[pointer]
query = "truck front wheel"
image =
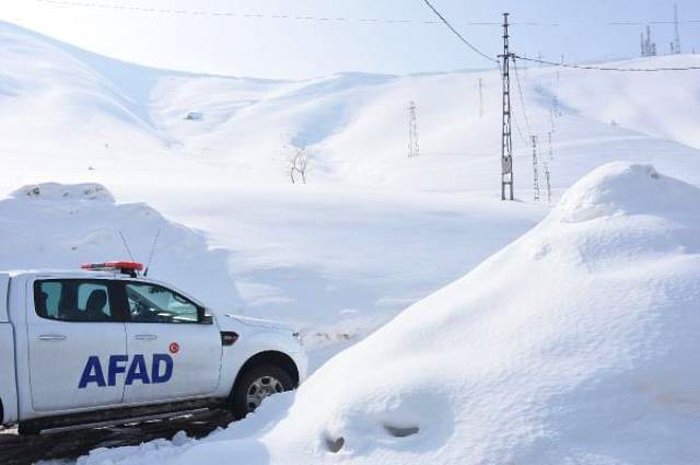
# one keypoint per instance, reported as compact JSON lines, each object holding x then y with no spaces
{"x":256,"y":384}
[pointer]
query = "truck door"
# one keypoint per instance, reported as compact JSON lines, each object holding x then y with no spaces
{"x":175,"y":352}
{"x":77,"y":344}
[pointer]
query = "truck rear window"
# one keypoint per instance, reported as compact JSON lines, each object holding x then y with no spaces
{"x":73,"y":300}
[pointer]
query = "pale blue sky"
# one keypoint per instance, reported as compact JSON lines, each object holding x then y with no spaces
{"x":273,"y":47}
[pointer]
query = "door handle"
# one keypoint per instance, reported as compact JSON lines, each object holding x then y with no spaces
{"x":52,"y":337}
{"x":145,"y":337}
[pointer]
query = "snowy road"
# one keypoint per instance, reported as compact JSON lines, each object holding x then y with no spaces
{"x":69,"y":445}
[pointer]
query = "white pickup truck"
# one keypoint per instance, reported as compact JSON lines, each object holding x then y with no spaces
{"x":89,"y":348}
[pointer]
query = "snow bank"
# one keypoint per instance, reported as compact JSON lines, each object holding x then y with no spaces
{"x":573,"y":345}
{"x":576,"y":344}
{"x":56,"y":191}
{"x":55,"y":225}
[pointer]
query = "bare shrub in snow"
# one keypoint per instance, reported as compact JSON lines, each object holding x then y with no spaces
{"x":297,"y":164}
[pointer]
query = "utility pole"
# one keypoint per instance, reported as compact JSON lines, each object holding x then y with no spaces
{"x":535,"y":170}
{"x":506,"y":132}
{"x":547,"y":173}
{"x":413,"y":149}
{"x":481,"y":98}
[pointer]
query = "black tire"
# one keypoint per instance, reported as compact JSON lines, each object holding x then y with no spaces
{"x":238,"y":400}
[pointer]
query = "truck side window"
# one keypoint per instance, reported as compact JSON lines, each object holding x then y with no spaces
{"x":72,"y":300}
{"x":150,"y":303}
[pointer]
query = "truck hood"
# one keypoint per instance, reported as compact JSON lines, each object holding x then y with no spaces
{"x":260,"y":323}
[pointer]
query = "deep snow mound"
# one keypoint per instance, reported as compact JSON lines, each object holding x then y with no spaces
{"x":621,"y":188}
{"x":54,"y":225}
{"x":575,"y":344}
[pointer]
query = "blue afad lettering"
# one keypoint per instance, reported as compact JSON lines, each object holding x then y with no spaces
{"x":137,"y":371}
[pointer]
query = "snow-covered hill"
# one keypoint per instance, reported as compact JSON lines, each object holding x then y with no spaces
{"x":373,"y":231}
{"x":574,"y":344}
{"x":94,"y":112}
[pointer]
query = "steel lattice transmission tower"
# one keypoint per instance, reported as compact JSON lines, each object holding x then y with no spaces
{"x":506,"y":133}
{"x":481,"y":98}
{"x":547,"y":172}
{"x":648,"y":46}
{"x":676,"y":44}
{"x":413,"y":148}
{"x":535,"y":170}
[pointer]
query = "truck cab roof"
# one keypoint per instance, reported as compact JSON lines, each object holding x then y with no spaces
{"x":7,"y":275}
{"x":60,"y":273}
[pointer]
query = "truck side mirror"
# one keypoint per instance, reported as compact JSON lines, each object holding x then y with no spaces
{"x":206,"y":319}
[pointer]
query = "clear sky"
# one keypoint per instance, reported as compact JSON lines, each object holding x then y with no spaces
{"x":276,"y":47}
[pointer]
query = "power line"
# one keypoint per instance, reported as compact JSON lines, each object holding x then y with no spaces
{"x":599,"y":23}
{"x":607,"y":68}
{"x":457,"y":33}
{"x":522,"y":98}
{"x":290,"y":17}
{"x":340,"y":19}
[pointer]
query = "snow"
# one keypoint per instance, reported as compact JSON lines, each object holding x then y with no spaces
{"x":59,"y":226}
{"x":653,"y":95}
{"x":571,"y":345}
{"x":529,"y":349}
{"x":334,"y":257}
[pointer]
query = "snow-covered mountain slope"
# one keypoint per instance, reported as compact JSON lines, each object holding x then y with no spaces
{"x":53,"y":95}
{"x":93,"y":111}
{"x":373,"y":231}
{"x":656,"y":104}
{"x":574,"y":344}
